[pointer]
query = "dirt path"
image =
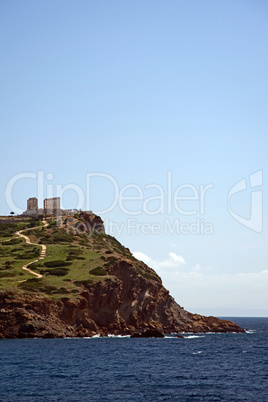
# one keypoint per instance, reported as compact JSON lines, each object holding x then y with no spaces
{"x":3,"y":241}
{"x":43,"y":252}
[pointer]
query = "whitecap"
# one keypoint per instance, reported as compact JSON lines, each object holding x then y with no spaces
{"x":118,"y":336}
{"x":194,"y":336}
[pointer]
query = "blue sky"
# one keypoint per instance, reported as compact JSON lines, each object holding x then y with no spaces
{"x":138,"y":92}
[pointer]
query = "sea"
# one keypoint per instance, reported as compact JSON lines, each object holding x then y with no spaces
{"x":199,"y":367}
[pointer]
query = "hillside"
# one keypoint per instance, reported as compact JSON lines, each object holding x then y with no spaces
{"x":84,"y":283}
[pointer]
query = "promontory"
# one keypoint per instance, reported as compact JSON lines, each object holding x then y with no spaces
{"x":63,"y":276}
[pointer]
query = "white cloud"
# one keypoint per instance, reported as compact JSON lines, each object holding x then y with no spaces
{"x":142,"y":257}
{"x":243,"y":291}
{"x":192,"y":286}
{"x":177,"y":258}
{"x":174,"y":261}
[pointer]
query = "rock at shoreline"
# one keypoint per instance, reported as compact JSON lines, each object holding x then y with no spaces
{"x":148,"y":333}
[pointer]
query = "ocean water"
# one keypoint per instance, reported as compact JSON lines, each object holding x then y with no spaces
{"x":207,"y":367}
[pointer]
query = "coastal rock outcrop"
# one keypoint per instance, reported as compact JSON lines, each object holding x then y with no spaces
{"x":148,"y":333}
{"x":107,"y":290}
{"x":125,"y":304}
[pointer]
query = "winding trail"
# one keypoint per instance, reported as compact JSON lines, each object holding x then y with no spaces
{"x":28,"y":241}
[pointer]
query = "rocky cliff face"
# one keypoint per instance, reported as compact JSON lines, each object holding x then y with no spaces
{"x":122,"y":304}
{"x":126,"y":298}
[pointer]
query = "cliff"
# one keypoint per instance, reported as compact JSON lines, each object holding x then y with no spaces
{"x":97,"y":287}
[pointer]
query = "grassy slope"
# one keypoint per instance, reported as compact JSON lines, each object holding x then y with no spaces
{"x":73,"y":258}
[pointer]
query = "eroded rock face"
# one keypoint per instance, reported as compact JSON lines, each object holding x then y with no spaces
{"x":93,"y":222}
{"x":123,"y":304}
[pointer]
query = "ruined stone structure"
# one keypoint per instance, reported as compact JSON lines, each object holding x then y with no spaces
{"x":52,"y":206}
{"x":32,"y":206}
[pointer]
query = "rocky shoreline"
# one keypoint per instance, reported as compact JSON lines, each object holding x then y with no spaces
{"x":124,"y":305}
{"x":123,"y":297}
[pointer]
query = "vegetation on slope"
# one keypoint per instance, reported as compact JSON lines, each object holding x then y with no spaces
{"x":76,"y":256}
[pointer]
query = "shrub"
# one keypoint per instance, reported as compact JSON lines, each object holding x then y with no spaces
{"x":62,"y":291}
{"x":71,"y":258}
{"x":84,"y":282}
{"x":52,"y":224}
{"x":49,"y":289}
{"x":11,"y":242}
{"x":31,"y":284}
{"x":6,"y":274}
{"x":14,"y":250}
{"x":33,"y":222}
{"x":28,"y":255}
{"x":56,"y":271}
{"x":75,"y":252}
{"x":98,"y":271}
{"x":62,"y":236}
{"x":111,"y":261}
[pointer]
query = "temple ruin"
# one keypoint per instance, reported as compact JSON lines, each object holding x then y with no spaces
{"x":32,"y":207}
{"x":52,"y":206}
{"x":32,"y":204}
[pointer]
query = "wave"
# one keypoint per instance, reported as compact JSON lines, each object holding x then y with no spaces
{"x":194,"y":336}
{"x":118,"y":336}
